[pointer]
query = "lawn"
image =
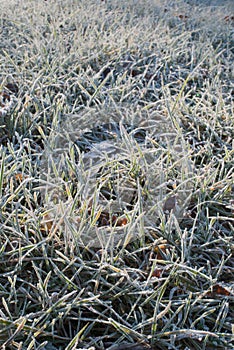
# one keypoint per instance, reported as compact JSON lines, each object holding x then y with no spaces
{"x":116,"y":175}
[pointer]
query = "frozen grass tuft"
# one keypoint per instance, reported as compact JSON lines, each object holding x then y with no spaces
{"x":127,"y":251}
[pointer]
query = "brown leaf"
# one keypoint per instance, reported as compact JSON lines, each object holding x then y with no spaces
{"x":157,"y":272}
{"x":19,"y":177}
{"x":122,"y":221}
{"x":106,"y":220}
{"x":229,"y":18}
{"x":46,"y":223}
{"x":159,"y":250}
{"x":181,"y":16}
{"x":220,"y":290}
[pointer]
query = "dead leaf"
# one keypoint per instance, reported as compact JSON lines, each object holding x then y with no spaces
{"x":115,"y":219}
{"x":229,"y":18}
{"x":157,"y":272}
{"x":160,"y":250}
{"x":182,"y":16}
{"x":19,"y":177}
{"x":220,"y":290}
{"x":46,"y":223}
{"x":121,"y":221}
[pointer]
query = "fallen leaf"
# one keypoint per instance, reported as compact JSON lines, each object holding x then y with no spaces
{"x":182,"y":16}
{"x":229,"y":18}
{"x":159,"y":250}
{"x":122,"y":222}
{"x":106,"y":220}
{"x":157,"y":273}
{"x":46,"y":223}
{"x":219,"y":289}
{"x":19,"y":177}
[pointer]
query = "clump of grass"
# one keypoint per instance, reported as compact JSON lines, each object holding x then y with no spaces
{"x":77,"y":67}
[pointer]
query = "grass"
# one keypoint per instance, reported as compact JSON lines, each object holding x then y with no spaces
{"x":110,"y":110}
